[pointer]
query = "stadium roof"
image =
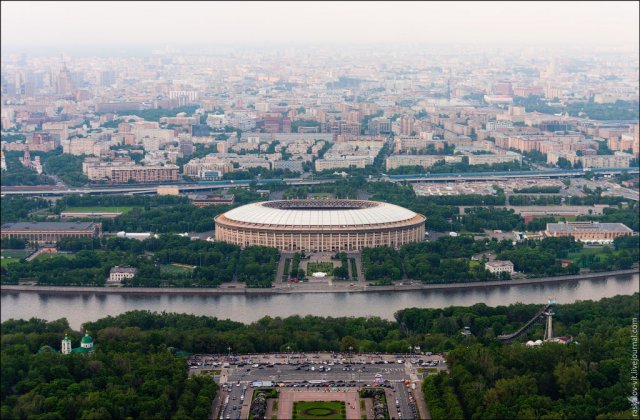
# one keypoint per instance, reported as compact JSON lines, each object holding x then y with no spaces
{"x":320,"y":213}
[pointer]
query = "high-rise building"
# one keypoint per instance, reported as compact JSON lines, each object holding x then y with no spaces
{"x":106,"y":77}
{"x":503,"y":88}
{"x":64,"y":84}
{"x":186,"y":145}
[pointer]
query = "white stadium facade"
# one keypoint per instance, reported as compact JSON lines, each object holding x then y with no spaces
{"x":320,"y":225}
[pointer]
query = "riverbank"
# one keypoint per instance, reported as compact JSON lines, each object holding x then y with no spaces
{"x":293,"y":288}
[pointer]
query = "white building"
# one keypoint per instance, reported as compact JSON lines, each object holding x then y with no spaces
{"x":117,"y":274}
{"x":66,"y":345}
{"x":499,"y":266}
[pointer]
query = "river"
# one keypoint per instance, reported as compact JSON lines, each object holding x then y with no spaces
{"x":80,"y":308}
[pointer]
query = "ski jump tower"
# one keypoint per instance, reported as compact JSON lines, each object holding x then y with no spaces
{"x":544,"y":314}
{"x":548,"y":331}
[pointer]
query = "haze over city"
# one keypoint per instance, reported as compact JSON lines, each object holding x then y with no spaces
{"x":319,"y":210}
{"x":70,"y":24}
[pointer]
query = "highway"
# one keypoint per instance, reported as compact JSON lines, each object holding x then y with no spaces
{"x":151,"y":189}
{"x":211,"y":185}
{"x":487,"y":176}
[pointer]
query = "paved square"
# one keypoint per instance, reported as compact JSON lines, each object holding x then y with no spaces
{"x":289,"y":396}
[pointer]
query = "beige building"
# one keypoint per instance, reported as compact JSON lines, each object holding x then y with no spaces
{"x":143,"y":174}
{"x":499,"y":266}
{"x":405,"y":144}
{"x":425,"y":161}
{"x":491,"y":159}
{"x":617,"y":160}
{"x":208,"y":163}
{"x":342,"y":162}
{"x":85,"y":146}
{"x":50,"y":232}
{"x":588,"y":231}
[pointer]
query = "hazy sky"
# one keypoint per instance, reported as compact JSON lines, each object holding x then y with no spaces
{"x":145,"y":23}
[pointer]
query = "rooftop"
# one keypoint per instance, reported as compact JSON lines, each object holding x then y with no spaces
{"x":320,"y":213}
{"x":499,"y":263}
{"x":51,"y":226}
{"x":587,"y":226}
{"x":118,"y":269}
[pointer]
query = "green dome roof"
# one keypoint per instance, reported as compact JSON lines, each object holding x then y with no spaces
{"x":66,"y":338}
{"x":87,"y":339}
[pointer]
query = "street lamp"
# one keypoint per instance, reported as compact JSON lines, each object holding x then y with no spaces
{"x":229,"y":349}
{"x":288,"y":347}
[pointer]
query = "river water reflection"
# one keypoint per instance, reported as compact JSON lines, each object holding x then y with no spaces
{"x":79,"y":308}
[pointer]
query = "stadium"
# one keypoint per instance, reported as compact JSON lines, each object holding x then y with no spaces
{"x":320,"y":225}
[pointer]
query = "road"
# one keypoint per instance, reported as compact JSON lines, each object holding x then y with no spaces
{"x":150,"y":189}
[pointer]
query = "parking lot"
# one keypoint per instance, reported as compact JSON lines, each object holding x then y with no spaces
{"x":397,"y":374}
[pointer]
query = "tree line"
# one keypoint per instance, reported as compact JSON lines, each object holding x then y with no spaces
{"x":215,"y":263}
{"x":133,"y":372}
{"x":111,"y":383}
{"x":448,"y":259}
{"x":586,"y":379}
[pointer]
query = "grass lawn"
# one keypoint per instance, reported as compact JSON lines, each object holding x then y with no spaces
{"x":287,"y":267}
{"x":319,"y":410}
{"x":565,"y":218}
{"x":16,"y":253}
{"x":43,"y":257}
{"x":175,"y":270}
{"x":325,"y":267}
{"x":98,"y":209}
{"x":6,"y":261}
{"x":574,"y":256}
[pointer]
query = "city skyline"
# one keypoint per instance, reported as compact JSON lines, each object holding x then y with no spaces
{"x":68,"y":25}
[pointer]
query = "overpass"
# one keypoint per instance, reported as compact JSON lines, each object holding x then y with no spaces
{"x":151,"y":189}
{"x":212,"y":185}
{"x":489,"y":176}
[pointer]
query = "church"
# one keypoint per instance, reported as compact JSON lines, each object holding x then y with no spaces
{"x":86,"y":345}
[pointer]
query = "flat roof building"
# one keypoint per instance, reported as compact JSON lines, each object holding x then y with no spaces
{"x":588,"y":231}
{"x":499,"y":266}
{"x":202,"y":200}
{"x":50,"y":232}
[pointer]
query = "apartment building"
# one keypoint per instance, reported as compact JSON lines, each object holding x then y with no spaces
{"x":144,"y":174}
{"x":425,"y":161}
{"x":342,"y":162}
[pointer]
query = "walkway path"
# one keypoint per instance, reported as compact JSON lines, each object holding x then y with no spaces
{"x":280,"y":271}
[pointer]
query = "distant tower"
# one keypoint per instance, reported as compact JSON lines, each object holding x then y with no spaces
{"x":37,"y":165}
{"x":66,"y":345}
{"x":26,"y":159}
{"x":64,"y":84}
{"x":449,"y":89}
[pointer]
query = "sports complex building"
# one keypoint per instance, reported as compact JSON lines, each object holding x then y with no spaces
{"x":320,"y":225}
